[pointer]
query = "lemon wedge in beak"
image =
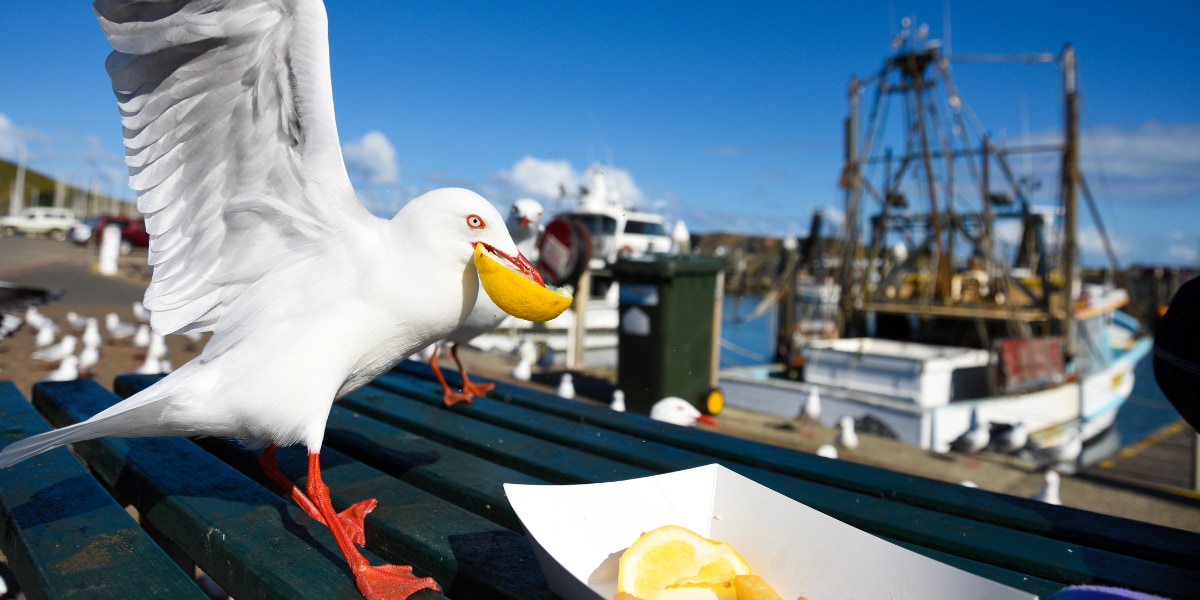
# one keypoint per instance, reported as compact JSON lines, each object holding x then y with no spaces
{"x":518,"y":293}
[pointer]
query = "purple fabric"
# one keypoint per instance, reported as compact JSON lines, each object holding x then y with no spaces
{"x":1098,"y":592}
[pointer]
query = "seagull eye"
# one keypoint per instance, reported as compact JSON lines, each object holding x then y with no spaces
{"x":475,"y":222}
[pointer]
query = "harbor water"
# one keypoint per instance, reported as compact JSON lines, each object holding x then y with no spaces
{"x":747,"y":339}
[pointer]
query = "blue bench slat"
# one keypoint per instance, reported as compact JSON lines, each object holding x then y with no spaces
{"x":1115,"y":534}
{"x":250,"y":541}
{"x":64,"y":536}
{"x":1008,"y":548}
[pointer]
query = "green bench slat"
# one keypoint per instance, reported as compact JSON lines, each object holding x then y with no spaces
{"x":1011,"y":549}
{"x":250,"y":541}
{"x":469,"y":555}
{"x":1125,"y":536}
{"x":442,"y":470}
{"x":456,"y":426}
{"x":64,"y":535}
{"x":390,"y":406}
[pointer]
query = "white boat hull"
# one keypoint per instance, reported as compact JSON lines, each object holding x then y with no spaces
{"x":1047,"y":413}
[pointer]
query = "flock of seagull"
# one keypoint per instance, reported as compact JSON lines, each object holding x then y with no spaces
{"x":73,"y":348}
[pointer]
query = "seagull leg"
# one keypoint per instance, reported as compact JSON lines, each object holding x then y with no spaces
{"x":478,"y":389}
{"x":449,"y":396}
{"x":352,"y":518}
{"x":374,"y":581}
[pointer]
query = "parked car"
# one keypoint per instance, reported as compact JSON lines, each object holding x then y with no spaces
{"x":54,"y":222}
{"x":133,"y":231}
{"x":81,"y":232}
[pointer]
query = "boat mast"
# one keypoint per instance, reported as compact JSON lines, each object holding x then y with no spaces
{"x":1070,"y":193}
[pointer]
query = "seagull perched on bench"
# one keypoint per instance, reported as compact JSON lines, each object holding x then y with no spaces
{"x":258,"y":237}
{"x":522,"y":224}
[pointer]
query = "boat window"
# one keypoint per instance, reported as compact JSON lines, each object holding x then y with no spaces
{"x":644,"y":228}
{"x":597,"y":224}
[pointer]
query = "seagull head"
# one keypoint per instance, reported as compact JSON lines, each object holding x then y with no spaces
{"x":458,"y":224}
{"x":525,"y":212}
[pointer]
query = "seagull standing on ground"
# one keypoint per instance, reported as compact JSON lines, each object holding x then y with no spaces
{"x":227,"y":111}
{"x":846,"y":437}
{"x":525,"y":215}
{"x":973,"y":440}
{"x":812,"y":412}
{"x":566,"y":386}
{"x":91,"y":333}
{"x":1050,"y":488}
{"x":67,"y":370}
{"x":57,"y":352}
{"x":117,"y":328}
{"x":45,"y":336}
{"x":526,"y":356}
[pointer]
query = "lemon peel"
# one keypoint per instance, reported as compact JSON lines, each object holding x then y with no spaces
{"x":515,"y":293}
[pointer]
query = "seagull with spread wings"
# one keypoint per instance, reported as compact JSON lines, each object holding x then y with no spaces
{"x":258,"y":237}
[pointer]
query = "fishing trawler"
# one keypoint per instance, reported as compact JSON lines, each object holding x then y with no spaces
{"x":939,"y":316}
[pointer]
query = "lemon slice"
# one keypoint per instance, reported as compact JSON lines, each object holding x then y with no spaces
{"x":515,"y":293}
{"x":672,"y":558}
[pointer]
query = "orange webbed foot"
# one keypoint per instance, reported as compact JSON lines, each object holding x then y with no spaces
{"x":478,"y":389}
{"x":391,"y":581}
{"x":451,"y":397}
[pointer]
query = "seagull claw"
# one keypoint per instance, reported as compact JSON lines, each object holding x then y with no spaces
{"x":390,"y":581}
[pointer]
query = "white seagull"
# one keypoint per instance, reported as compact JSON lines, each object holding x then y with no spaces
{"x":88,"y":358}
{"x":117,"y":328}
{"x":618,"y":401}
{"x":76,"y":320}
{"x":258,"y":237}
{"x":141,"y":338}
{"x":1050,"y":488}
{"x":566,"y":386}
{"x":91,"y":333}
{"x":485,"y":316}
{"x":65,"y":347}
{"x":526,"y":356}
{"x":140,"y":313}
{"x":67,"y":370}
{"x":846,"y":437}
{"x":973,"y":439}
{"x":678,"y":411}
{"x":1009,"y":437}
{"x":45,"y":335}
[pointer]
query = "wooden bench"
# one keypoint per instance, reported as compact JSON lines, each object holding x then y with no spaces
{"x":438,"y":474}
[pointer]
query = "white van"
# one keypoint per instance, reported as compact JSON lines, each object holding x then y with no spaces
{"x":55,"y":222}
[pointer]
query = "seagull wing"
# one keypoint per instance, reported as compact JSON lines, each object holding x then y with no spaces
{"x":232,"y":147}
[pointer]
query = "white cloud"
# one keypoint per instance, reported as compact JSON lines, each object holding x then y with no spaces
{"x":372,"y":159}
{"x":541,"y":178}
{"x":11,"y":140}
{"x":1150,"y":162}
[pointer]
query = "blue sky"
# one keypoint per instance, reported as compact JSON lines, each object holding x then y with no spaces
{"x":728,"y":117}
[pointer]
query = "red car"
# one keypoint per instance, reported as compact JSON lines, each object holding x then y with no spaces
{"x":133,"y":231}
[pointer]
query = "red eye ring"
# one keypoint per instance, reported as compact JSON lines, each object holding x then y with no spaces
{"x":475,"y":221}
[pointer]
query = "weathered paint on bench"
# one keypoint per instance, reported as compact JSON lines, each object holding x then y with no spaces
{"x":64,"y":536}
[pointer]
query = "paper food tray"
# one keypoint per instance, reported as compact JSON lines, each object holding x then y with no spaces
{"x":579,"y":532}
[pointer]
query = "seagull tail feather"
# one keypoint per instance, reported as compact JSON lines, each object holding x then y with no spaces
{"x":120,"y":420}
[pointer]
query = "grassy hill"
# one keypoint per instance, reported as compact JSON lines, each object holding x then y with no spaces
{"x":39,"y":191}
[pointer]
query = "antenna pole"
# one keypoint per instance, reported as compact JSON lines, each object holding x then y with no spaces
{"x":1070,"y":196}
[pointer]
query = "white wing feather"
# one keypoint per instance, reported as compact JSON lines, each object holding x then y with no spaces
{"x":232,"y":148}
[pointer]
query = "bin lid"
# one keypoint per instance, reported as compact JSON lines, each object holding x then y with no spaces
{"x":667,"y":265}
